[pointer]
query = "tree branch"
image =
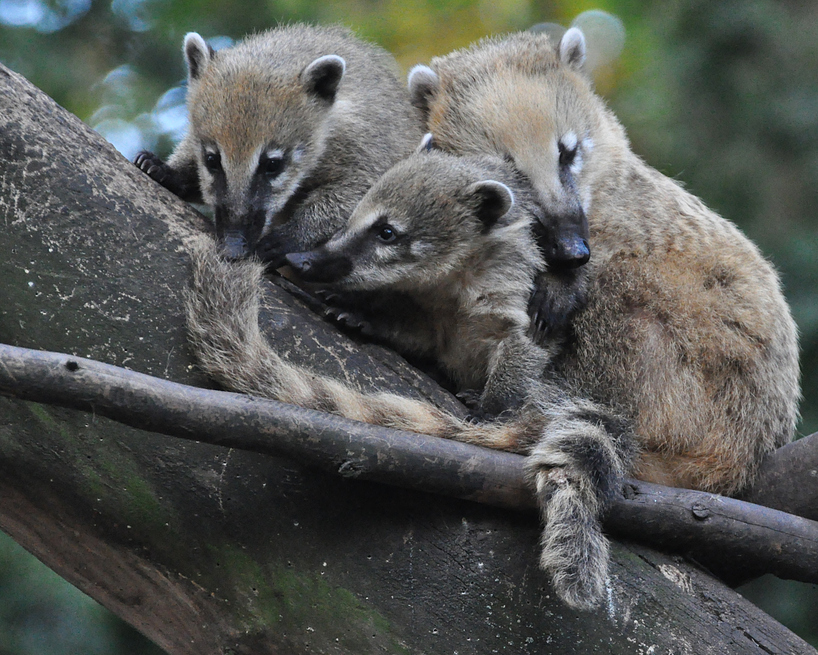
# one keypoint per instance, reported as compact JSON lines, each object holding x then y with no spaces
{"x":788,"y":479}
{"x":735,"y":538}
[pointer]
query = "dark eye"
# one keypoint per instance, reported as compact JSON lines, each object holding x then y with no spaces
{"x":386,"y":234}
{"x":271,"y":167}
{"x":567,"y":154}
{"x":213,"y":162}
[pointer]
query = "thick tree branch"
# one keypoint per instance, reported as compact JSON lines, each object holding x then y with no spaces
{"x":736,"y":539}
{"x":209,"y":550}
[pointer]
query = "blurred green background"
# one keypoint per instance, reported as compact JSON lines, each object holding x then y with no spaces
{"x":720,"y":95}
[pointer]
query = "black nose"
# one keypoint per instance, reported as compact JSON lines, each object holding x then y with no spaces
{"x":571,"y":252}
{"x":319,"y":266}
{"x":234,"y":245}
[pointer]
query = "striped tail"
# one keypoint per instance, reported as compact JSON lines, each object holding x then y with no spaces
{"x":222,"y":317}
{"x":578,"y":452}
{"x":576,"y":467}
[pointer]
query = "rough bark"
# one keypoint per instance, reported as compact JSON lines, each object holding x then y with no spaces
{"x":788,"y":479}
{"x":207,"y":549}
{"x":735,"y":539}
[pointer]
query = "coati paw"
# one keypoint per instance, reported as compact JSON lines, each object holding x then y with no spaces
{"x":274,"y":247}
{"x":349,"y":321}
{"x":182,"y":182}
{"x":153,"y":166}
{"x":471,"y":399}
{"x":556,"y":299}
{"x":481,"y":409}
{"x":327,"y":297}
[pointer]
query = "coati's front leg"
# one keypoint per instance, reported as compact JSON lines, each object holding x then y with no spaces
{"x":182,"y":181}
{"x":385,"y":317}
{"x":514,"y":370}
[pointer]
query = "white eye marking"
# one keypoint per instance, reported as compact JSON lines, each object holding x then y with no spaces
{"x":361,"y":222}
{"x":569,"y":141}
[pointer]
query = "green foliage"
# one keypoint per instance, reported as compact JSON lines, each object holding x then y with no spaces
{"x":721,"y":96}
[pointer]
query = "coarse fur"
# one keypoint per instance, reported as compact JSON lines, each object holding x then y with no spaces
{"x":686,"y":331}
{"x":454,"y":236}
{"x":450,"y":238}
{"x":287,"y":131}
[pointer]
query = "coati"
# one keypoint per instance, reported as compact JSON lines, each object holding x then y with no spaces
{"x":454,"y":234}
{"x":288,"y":129}
{"x":686,"y":331}
{"x":451,"y":238}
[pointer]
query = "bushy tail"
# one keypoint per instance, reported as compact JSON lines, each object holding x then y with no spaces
{"x":576,"y":467}
{"x":222,"y":316}
{"x":574,"y":458}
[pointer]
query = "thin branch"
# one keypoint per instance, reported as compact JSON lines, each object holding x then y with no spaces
{"x":732,"y":537}
{"x":347,"y":448}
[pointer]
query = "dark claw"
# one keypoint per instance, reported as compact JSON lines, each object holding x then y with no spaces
{"x":152,"y":166}
{"x":333,"y":312}
{"x":325,"y":295}
{"x":349,"y":320}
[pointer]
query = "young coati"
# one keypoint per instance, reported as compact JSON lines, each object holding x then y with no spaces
{"x":686,"y":331}
{"x":454,"y":236}
{"x":288,"y":129}
{"x":439,"y":233}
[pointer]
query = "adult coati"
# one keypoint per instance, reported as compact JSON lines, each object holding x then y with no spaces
{"x":288,"y":129}
{"x":454,"y":235}
{"x":686,"y":331}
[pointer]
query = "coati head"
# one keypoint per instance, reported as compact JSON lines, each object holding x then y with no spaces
{"x":417,"y":226}
{"x":260,"y":127}
{"x":531,"y":103}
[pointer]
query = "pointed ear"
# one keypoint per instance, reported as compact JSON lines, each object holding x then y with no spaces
{"x":197,"y":55}
{"x":427,"y":143}
{"x":423,"y":85}
{"x":492,"y":200}
{"x":572,"y":48}
{"x":322,"y":77}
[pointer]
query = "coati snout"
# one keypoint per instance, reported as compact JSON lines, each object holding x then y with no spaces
{"x":237,"y":237}
{"x":564,"y":240}
{"x":233,"y":245}
{"x":319,"y":265}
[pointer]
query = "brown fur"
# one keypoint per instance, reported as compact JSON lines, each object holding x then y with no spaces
{"x":327,"y":108}
{"x":465,"y":256}
{"x":686,"y":329}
